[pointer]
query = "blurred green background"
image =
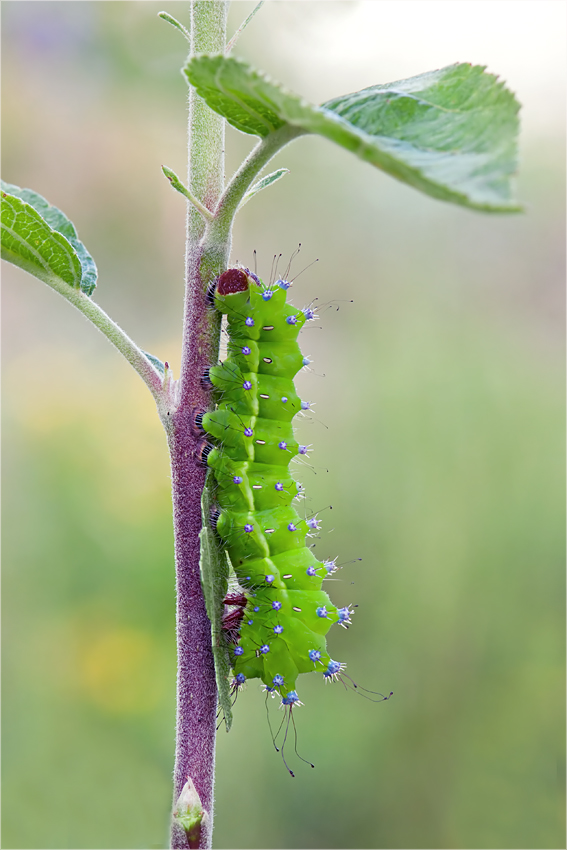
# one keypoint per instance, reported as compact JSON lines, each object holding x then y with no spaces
{"x":438,"y":439}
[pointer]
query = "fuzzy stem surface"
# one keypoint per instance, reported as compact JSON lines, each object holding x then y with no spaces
{"x":219,"y":230}
{"x":196,"y":685}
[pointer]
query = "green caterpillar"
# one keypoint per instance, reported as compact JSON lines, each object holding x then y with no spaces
{"x":282,"y":616}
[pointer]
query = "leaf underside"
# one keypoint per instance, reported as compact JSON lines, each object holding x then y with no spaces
{"x":266,"y":181}
{"x":40,"y":239}
{"x":155,"y":361}
{"x":451,"y":133}
{"x":214,"y":579}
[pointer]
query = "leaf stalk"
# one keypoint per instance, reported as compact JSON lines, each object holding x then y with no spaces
{"x":183,"y":190}
{"x":119,"y":338}
{"x":217,"y":239}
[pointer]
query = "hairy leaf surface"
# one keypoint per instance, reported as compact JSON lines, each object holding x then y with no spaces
{"x":266,"y":181}
{"x":40,"y":239}
{"x":451,"y":133}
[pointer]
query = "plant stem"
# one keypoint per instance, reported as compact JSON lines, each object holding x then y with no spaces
{"x":242,"y":27}
{"x":219,"y":231}
{"x":196,"y":686}
{"x":179,"y":187}
{"x":114,"y":333}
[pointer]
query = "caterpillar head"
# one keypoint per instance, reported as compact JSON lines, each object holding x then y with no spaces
{"x":231,"y":293}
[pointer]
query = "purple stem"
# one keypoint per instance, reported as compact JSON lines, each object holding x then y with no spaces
{"x":196,"y":685}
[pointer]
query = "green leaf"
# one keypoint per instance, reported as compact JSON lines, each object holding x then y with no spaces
{"x":242,"y":27}
{"x":40,"y":239}
{"x":451,"y":133}
{"x":155,"y":361}
{"x":237,"y":92}
{"x":263,"y":184}
{"x":183,"y":190}
{"x":214,"y":580}
{"x":165,"y":16}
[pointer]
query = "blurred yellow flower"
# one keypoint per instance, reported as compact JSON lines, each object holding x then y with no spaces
{"x":119,"y":671}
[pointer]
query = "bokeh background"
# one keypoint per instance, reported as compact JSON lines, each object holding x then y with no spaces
{"x":438,"y":375}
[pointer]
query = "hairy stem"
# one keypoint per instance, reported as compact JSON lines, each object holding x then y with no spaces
{"x":114,"y":333}
{"x":218,"y":233}
{"x":196,"y":686}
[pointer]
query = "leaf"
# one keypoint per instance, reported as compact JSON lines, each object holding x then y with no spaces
{"x":263,"y":184}
{"x":451,"y":133}
{"x":183,"y":190}
{"x":243,"y":26}
{"x":165,"y":16}
{"x":40,"y":239}
{"x":155,"y":361}
{"x":237,"y":92}
{"x":214,"y":579}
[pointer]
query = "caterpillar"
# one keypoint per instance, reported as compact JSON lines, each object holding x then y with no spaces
{"x":279,"y":617}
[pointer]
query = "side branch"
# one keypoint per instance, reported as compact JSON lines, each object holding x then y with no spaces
{"x":218,"y":232}
{"x":114,"y":333}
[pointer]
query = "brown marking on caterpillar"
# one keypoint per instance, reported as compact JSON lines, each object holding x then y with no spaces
{"x":235,"y":599}
{"x":206,"y":382}
{"x":231,"y":624}
{"x":231,"y":281}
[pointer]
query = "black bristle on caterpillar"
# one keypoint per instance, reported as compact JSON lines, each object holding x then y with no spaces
{"x":203,"y":452}
{"x":214,"y":518}
{"x":210,"y":294}
{"x":198,"y":421}
{"x":206,"y":382}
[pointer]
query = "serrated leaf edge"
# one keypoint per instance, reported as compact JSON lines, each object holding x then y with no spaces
{"x":88,"y":279}
{"x":62,"y":241}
